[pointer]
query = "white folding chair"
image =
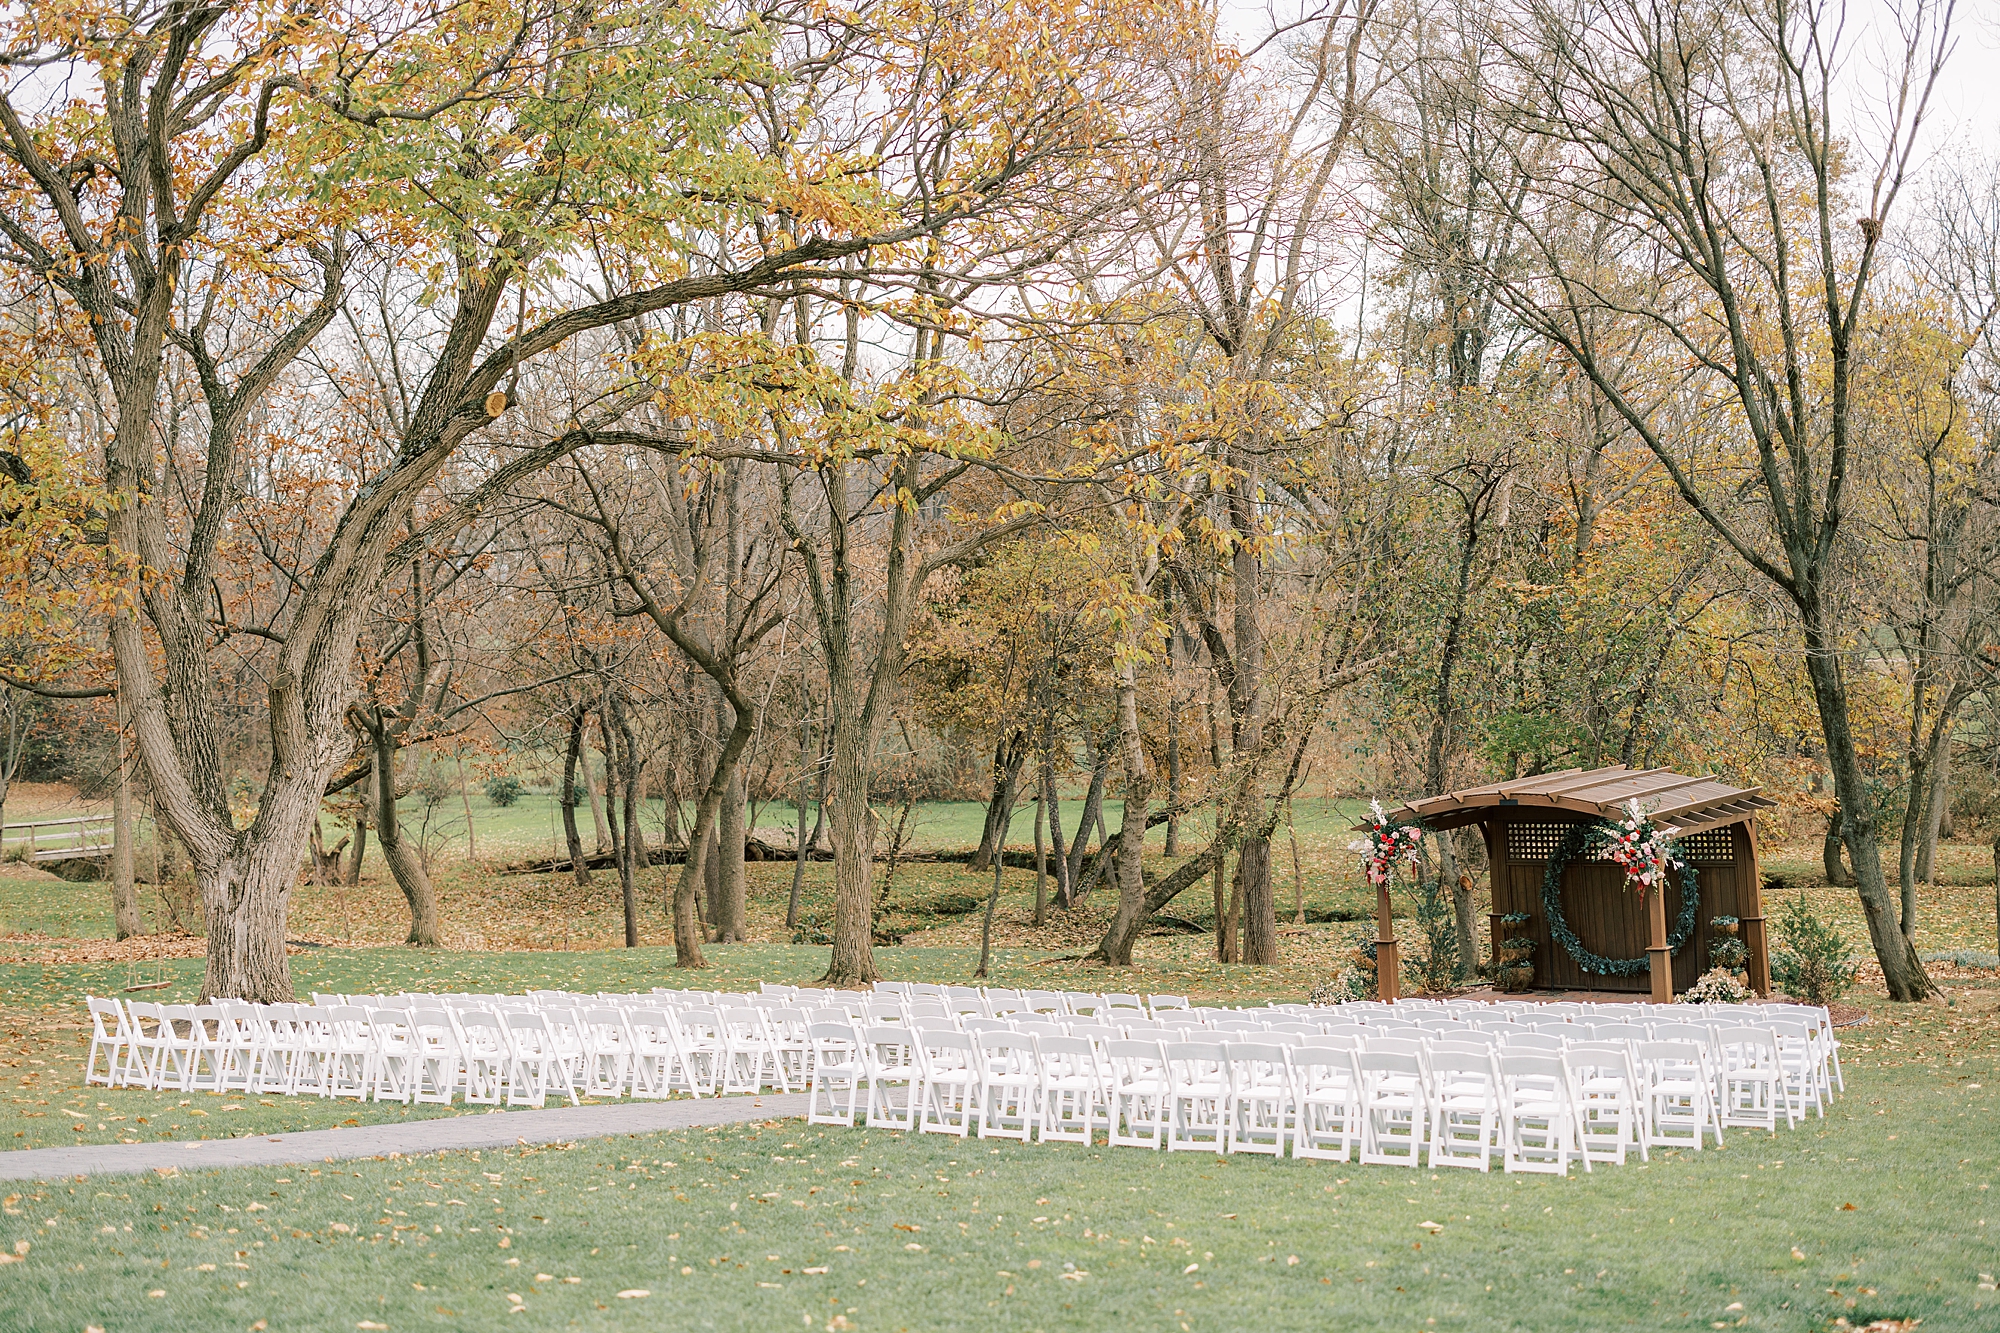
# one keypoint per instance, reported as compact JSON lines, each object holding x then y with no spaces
{"x":439,"y":1067}
{"x":607,"y":1051}
{"x":1610,"y":1107}
{"x":1140,"y":1093}
{"x":1197,"y":1096}
{"x":395,"y":1056}
{"x":1010,"y":1084}
{"x":890,"y":1060}
{"x":488,"y":1057}
{"x":115,"y":1042}
{"x":1538,"y":1116}
{"x":538,"y":1066}
{"x":657,"y":1063}
{"x":1394,"y":1104}
{"x":1751,"y":1079}
{"x":1074,"y":1091}
{"x":1799,"y":1062}
{"x":837,"y":1068}
{"x":1327,"y":1124}
{"x":1465,"y":1109}
{"x":950,"y":1069}
{"x":749,"y":1059}
{"x":1263,"y":1099}
{"x":704,"y":1051}
{"x":1680,"y":1094}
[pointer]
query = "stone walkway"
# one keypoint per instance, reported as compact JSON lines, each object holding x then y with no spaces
{"x":496,"y":1130}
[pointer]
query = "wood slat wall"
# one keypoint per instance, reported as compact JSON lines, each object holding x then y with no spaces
{"x":1609,"y":918}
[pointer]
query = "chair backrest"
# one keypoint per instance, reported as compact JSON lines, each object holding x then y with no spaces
{"x":928,"y":1009}
{"x":1373,"y":1060}
{"x":1532,"y":1042}
{"x":1410,"y":1046}
{"x":1045,"y":1001}
{"x":1134,"y":1059}
{"x":833,"y":1034}
{"x":1006,"y":1049}
{"x":986,"y":1025}
{"x":1665,"y":1056}
{"x":1159,"y":1002}
{"x":102,"y":1009}
{"x":1460,"y":1046}
{"x":1315,"y":1063}
{"x":892,"y":1044}
{"x":1462,"y":1063}
{"x":1531,"y":1065}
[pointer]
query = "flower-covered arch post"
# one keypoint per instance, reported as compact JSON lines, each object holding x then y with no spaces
{"x":1387,"y":843}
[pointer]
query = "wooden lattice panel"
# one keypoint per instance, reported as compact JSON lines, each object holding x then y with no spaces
{"x":1537,"y":841}
{"x":1711,"y":845}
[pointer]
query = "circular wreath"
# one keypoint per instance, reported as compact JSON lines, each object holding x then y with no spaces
{"x":1573,"y":843}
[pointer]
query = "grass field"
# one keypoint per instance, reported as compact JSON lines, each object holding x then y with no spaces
{"x":727,"y":1228}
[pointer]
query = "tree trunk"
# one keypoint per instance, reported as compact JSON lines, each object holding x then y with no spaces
{"x":852,"y":823}
{"x":566,"y":798}
{"x":1129,"y":916}
{"x":405,"y":862}
{"x":805,"y":844}
{"x":1260,"y":909}
{"x":465,"y":804}
{"x":1008,"y":757}
{"x":731,"y":922}
{"x":635,"y":857}
{"x":124,"y":889}
{"x":1902,"y":970}
{"x":360,"y":850}
{"x":1093,"y":815}
{"x":620,"y":826}
{"x":1936,"y":814}
{"x":1061,"y":860}
{"x":1458,"y":885}
{"x":1225,"y":928}
{"x":1173,"y":847}
{"x":245,"y":898}
{"x":607,"y":839}
{"x":1041,"y":856}
{"x":1832,"y":855}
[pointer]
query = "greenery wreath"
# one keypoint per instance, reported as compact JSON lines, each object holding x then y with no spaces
{"x":1572,"y":845}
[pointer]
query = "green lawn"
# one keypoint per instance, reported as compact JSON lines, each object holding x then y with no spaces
{"x":1883,"y":1210}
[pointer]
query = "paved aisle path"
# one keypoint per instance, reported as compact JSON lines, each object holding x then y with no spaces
{"x":500,"y":1130}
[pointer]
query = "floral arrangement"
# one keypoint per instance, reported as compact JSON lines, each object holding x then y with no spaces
{"x":1644,"y":850}
{"x":1385,"y":845}
{"x":1717,"y":986}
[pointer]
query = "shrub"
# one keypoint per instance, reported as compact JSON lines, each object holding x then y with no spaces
{"x":504,"y":789}
{"x":1812,"y":961}
{"x":1437,"y":967}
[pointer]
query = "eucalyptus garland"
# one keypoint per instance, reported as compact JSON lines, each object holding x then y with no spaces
{"x":1573,"y":844}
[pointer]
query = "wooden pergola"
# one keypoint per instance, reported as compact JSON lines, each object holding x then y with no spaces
{"x":1524,"y":819}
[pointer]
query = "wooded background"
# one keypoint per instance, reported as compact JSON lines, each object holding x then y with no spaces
{"x":850,"y":406}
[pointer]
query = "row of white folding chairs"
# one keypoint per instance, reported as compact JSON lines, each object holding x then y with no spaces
{"x":998,"y":1000}
{"x":1819,"y":1052}
{"x":460,"y":1046}
{"x":1804,"y":1048}
{"x":1534,"y":1110}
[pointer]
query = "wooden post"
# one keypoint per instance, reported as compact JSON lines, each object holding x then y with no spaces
{"x":1659,"y":962}
{"x":1388,"y":974}
{"x":1755,"y":942}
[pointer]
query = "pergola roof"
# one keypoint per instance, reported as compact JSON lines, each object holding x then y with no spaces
{"x":1688,"y":803}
